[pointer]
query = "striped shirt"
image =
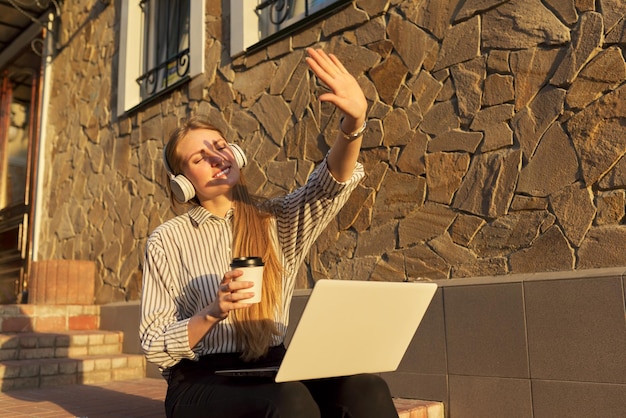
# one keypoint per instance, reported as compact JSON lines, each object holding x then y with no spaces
{"x":187,"y":256}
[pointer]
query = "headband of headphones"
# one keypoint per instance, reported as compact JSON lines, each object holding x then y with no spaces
{"x":181,"y":187}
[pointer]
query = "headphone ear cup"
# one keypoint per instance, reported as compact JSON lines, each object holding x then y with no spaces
{"x":182,"y":189}
{"x":240,"y":156}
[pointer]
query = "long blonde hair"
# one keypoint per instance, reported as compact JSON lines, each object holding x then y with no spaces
{"x":255,"y":325}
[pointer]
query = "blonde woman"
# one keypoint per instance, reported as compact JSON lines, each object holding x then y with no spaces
{"x":194,"y":316}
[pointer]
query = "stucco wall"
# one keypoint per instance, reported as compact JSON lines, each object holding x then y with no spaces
{"x":495,"y":140}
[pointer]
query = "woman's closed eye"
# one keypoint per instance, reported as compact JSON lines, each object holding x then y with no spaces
{"x":203,"y":156}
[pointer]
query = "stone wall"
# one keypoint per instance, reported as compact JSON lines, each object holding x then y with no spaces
{"x":494,"y":146}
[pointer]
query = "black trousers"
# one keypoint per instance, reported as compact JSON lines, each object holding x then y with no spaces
{"x":195,"y":391}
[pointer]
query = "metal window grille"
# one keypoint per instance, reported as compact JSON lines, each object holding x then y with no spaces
{"x":166,"y":45}
{"x":276,"y":15}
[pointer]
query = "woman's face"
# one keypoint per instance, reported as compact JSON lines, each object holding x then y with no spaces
{"x":209,"y":163}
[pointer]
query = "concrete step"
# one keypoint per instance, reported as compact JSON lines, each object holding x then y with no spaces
{"x":52,"y":345}
{"x":48,"y":318}
{"x":61,"y":344}
{"x":48,"y":372}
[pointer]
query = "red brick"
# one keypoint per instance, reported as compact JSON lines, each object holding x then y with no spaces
{"x":62,"y":282}
{"x":50,"y":323}
{"x":17,"y":324}
{"x":84,"y":284}
{"x":83,"y":322}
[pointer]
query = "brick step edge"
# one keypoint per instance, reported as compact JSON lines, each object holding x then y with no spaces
{"x":48,"y":318}
{"x":37,"y":373}
{"x":414,"y":408}
{"x":62,"y":344}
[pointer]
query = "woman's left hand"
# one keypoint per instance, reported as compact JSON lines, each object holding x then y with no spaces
{"x":345,"y":93}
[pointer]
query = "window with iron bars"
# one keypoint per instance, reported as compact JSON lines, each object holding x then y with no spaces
{"x":166,"y":45}
{"x":275,"y":15}
{"x":255,"y":23}
{"x":161,"y":46}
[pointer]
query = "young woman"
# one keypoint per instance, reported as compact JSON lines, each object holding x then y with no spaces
{"x":194,"y":316}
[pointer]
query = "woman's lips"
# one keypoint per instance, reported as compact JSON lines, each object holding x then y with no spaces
{"x":223,"y":173}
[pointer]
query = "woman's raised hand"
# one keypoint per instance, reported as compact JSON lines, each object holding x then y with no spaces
{"x":345,"y":93}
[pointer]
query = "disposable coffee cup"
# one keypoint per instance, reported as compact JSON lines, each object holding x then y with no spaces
{"x":252,"y":268}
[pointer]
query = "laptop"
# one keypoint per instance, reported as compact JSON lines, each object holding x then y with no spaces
{"x":350,"y":327}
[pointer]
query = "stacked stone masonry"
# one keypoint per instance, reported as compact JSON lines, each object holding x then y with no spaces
{"x":495,"y":141}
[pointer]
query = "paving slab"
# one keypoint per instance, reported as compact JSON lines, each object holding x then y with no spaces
{"x":139,"y":398}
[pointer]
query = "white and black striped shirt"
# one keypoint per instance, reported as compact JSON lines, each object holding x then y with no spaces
{"x":187,"y":256}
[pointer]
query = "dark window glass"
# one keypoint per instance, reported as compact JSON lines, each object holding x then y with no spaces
{"x":166,"y":45}
{"x":276,"y":15}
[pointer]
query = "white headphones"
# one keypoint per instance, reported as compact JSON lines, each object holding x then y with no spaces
{"x":182,"y":189}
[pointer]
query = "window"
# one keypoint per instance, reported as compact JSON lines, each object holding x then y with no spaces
{"x":253,"y":21}
{"x":161,"y":46}
{"x":166,"y":35}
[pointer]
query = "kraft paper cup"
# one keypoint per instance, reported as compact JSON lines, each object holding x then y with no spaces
{"x":252,"y":268}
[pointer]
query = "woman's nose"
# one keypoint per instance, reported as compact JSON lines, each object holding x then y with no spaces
{"x":215,"y":159}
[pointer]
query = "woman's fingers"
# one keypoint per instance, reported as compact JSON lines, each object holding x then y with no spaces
{"x":323,"y":64}
{"x":338,"y":63}
{"x":327,"y":68}
{"x":229,"y":297}
{"x":345,"y":93}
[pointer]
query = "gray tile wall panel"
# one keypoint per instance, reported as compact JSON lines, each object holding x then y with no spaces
{"x":578,"y":399}
{"x":577,"y":330}
{"x":427,"y":352}
{"x":485,"y":330}
{"x":530,"y":348}
{"x":489,"y":397}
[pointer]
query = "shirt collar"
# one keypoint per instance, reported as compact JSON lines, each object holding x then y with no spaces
{"x":199,"y":215}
